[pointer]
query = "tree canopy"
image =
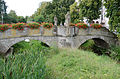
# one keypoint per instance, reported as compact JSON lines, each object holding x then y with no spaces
{"x":90,"y":9}
{"x":113,"y":13}
{"x":48,"y":10}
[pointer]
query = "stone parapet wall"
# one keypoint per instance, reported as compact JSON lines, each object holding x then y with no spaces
{"x":12,"y":33}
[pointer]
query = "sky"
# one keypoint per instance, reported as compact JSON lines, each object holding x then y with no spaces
{"x":23,"y":7}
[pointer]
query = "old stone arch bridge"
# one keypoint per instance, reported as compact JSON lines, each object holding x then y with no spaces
{"x":60,"y":36}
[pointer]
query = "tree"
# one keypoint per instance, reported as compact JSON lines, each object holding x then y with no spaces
{"x":48,"y":10}
{"x":76,"y":16}
{"x":21,"y":19}
{"x":90,"y":9}
{"x":113,"y":13}
{"x":13,"y":17}
{"x":39,"y":15}
{"x":58,"y":8}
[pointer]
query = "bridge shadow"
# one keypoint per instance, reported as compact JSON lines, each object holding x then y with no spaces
{"x":96,"y":45}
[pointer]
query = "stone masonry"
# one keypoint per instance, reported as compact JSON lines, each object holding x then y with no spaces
{"x":61,"y":37}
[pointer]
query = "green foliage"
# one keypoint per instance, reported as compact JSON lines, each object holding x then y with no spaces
{"x":39,"y":18}
{"x":81,"y":25}
{"x":96,"y":26}
{"x":28,"y":65}
{"x":33,"y":25}
{"x":115,"y":52}
{"x":21,"y":19}
{"x":13,"y":16}
{"x":28,"y":61}
{"x":113,"y":13}
{"x":74,"y":12}
{"x":77,"y":64}
{"x":4,"y":27}
{"x":88,"y":45}
{"x":48,"y":10}
{"x":90,"y":9}
{"x":18,"y":26}
{"x":47,"y":25}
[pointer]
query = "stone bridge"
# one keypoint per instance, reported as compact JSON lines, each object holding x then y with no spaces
{"x":58,"y":36}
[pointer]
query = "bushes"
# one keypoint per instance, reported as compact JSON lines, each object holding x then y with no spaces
{"x":18,"y":26}
{"x":47,"y":25}
{"x":4,"y":27}
{"x":21,"y":26}
{"x":33,"y":25}
{"x":81,"y":25}
{"x":115,"y":52}
{"x":96,"y":26}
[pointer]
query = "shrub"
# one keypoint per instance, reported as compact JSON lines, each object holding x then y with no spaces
{"x":47,"y":25}
{"x":34,"y":25}
{"x":4,"y":27}
{"x":115,"y":52}
{"x":81,"y":25}
{"x":96,"y":26}
{"x":18,"y":26}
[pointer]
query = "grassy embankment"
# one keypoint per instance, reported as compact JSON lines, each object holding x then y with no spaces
{"x":31,"y":60}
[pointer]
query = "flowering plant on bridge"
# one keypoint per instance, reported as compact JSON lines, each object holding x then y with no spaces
{"x":47,"y":25}
{"x":81,"y":25}
{"x":4,"y":27}
{"x":18,"y":26}
{"x":33,"y":25}
{"x":96,"y":26}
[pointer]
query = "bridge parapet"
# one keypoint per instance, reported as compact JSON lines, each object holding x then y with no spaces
{"x":60,"y":31}
{"x":98,"y":32}
{"x":12,"y":33}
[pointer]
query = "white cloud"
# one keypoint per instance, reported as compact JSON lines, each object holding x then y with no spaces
{"x":23,"y":7}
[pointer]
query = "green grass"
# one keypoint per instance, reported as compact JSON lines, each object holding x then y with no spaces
{"x":28,"y":62}
{"x":78,"y":64}
{"x":34,"y":61}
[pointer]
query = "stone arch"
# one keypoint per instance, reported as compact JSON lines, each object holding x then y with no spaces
{"x":46,"y":43}
{"x":99,"y":41}
{"x":7,"y":43}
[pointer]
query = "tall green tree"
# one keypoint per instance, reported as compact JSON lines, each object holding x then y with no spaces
{"x":90,"y":9}
{"x":39,"y":15}
{"x":113,"y":13}
{"x":58,"y":8}
{"x":13,"y":16}
{"x":75,"y":14}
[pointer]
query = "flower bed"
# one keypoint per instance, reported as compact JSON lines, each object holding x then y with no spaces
{"x":4,"y":27}
{"x":18,"y":26}
{"x":96,"y":26}
{"x":81,"y":25}
{"x":47,"y":25}
{"x":33,"y":25}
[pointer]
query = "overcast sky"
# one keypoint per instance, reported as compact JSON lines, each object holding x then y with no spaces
{"x":23,"y":7}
